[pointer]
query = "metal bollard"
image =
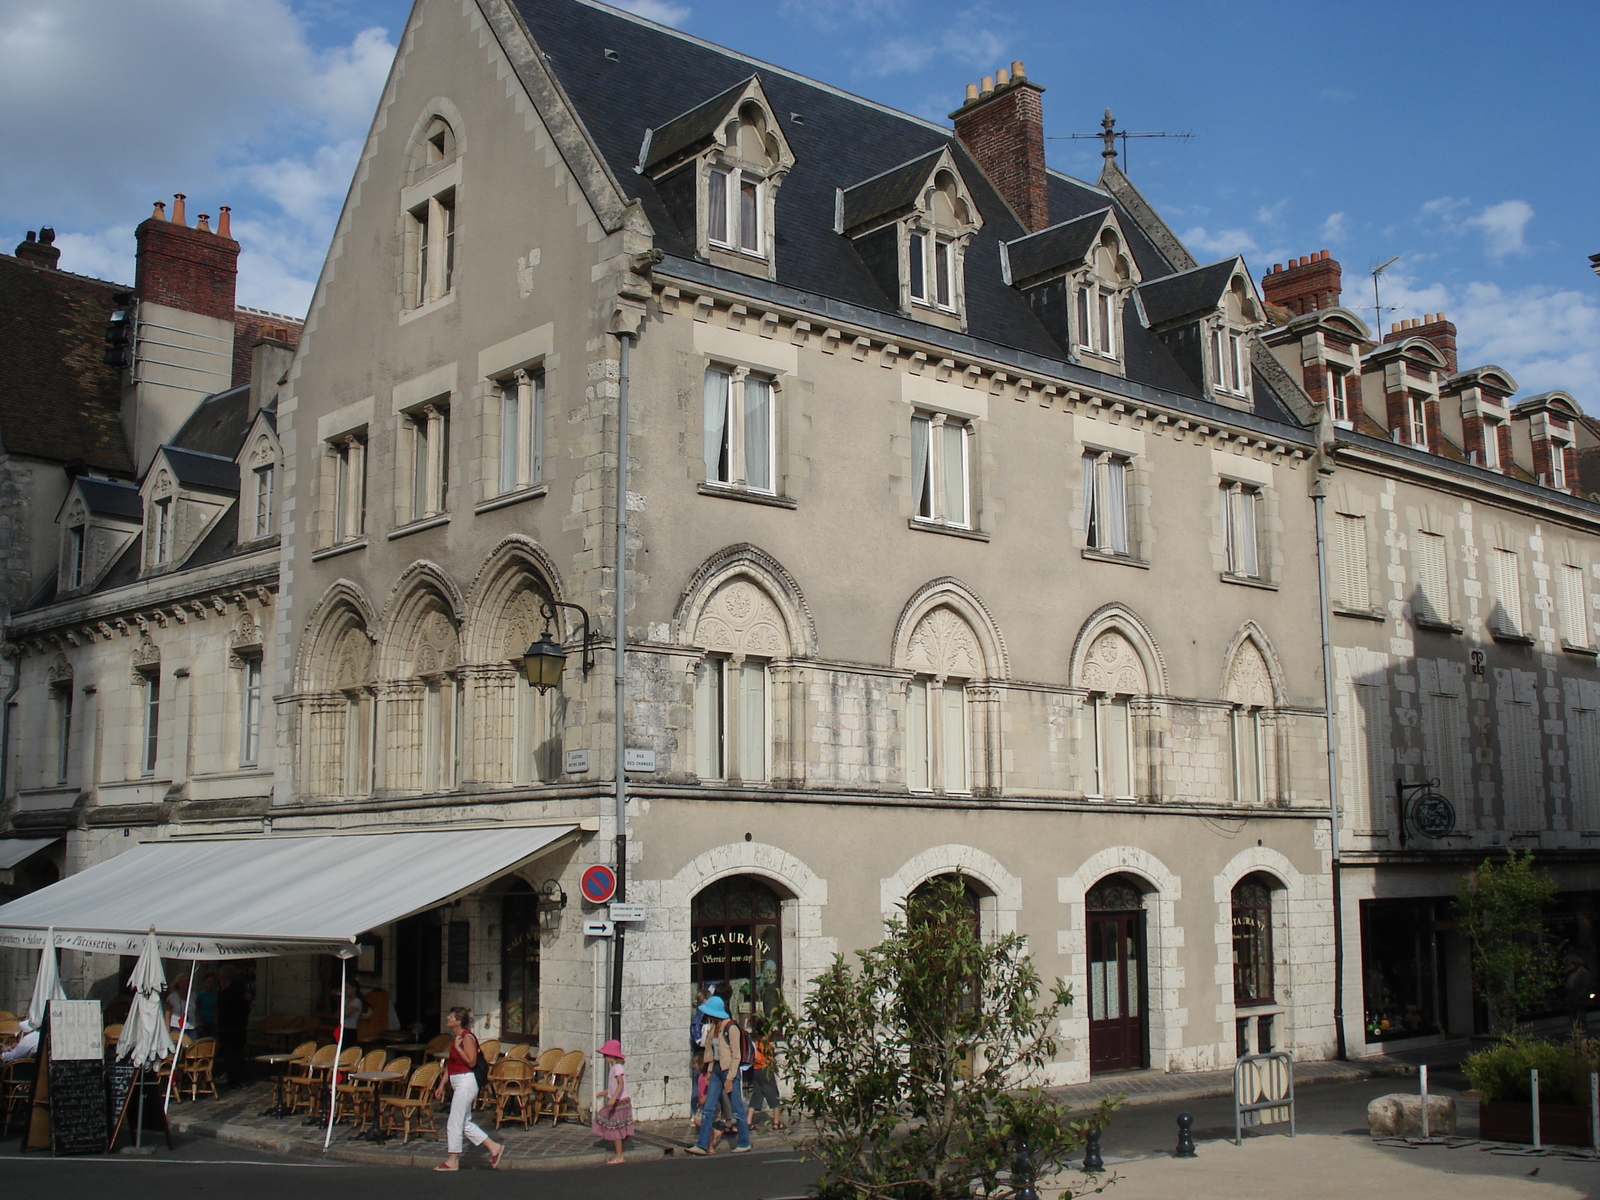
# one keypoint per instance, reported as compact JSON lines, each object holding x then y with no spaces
{"x":1185,"y":1137}
{"x":1022,"y":1179}
{"x":1594,"y":1111}
{"x":1424,"y":1074}
{"x":1093,"y":1164}
{"x":1533,"y":1087}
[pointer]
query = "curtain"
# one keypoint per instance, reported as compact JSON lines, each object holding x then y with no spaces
{"x":716,"y":441}
{"x":955,"y":738}
{"x":1116,"y":506}
{"x":955,"y":473}
{"x":758,"y":433}
{"x":509,"y":449}
{"x":717,"y":206}
{"x":753,"y":721}
{"x":708,"y":719}
{"x":1091,"y":515}
{"x":1248,"y":563}
{"x":919,"y":467}
{"x":917,"y":774}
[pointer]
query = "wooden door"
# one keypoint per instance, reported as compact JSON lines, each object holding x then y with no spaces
{"x":1116,"y":991}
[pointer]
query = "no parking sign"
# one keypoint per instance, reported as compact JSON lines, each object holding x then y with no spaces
{"x":599,"y":884}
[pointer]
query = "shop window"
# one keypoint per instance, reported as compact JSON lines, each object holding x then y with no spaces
{"x":519,"y":964}
{"x":736,"y":940}
{"x":1252,"y":941}
{"x":1400,"y":959}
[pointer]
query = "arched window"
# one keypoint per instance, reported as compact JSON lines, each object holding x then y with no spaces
{"x":736,"y":938}
{"x":944,"y":656}
{"x":1250,"y":694}
{"x":742,"y":632}
{"x":1252,"y":941}
{"x":1114,"y":675}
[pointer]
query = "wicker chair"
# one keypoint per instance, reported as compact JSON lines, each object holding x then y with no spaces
{"x":111,"y":1036}
{"x":414,"y":1104}
{"x":301,"y":1086}
{"x":438,"y":1045}
{"x":546,"y":1062}
{"x":490,"y":1049}
{"x":513,"y":1090}
{"x":352,"y":1095}
{"x":196,"y":1070}
{"x":165,"y":1067}
{"x":558,"y":1094}
{"x":520,"y":1050}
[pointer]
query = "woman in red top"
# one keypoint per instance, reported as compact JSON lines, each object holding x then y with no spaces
{"x":463,"y":1056}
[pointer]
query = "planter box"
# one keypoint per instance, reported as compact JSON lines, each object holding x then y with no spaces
{"x":1512,"y":1121}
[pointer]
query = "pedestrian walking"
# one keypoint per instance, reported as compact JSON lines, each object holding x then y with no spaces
{"x":234,"y":999}
{"x":763,"y":1074}
{"x":613,"y":1119}
{"x":461,"y":1070}
{"x":725,"y":1042}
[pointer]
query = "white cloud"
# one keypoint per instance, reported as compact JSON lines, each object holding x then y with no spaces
{"x":1334,"y":229}
{"x":1272,"y":214}
{"x":1220,"y":244}
{"x":1502,"y":225}
{"x":660,"y":11}
{"x":980,"y":48}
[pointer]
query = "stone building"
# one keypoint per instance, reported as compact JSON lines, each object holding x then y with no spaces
{"x":1464,"y":565}
{"x":970,"y":528}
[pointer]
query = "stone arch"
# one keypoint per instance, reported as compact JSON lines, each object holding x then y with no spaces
{"x":1130,"y":657}
{"x":415,"y":641}
{"x":999,"y":908}
{"x":1299,"y":905}
{"x":502,"y":614}
{"x":437,"y":109}
{"x":341,"y":608}
{"x":1252,"y":675}
{"x":764,"y":581}
{"x":943,"y":624}
{"x":1164,"y":941}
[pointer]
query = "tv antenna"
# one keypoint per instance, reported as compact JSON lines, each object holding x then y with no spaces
{"x":1377,"y":306}
{"x":1109,"y":133}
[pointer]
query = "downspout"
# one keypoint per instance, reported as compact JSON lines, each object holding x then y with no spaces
{"x":621,"y":568}
{"x":5,"y":726}
{"x":1319,"y":493}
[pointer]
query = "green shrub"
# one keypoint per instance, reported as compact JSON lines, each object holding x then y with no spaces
{"x":1500,"y":1071}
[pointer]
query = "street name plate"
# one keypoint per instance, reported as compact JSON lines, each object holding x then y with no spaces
{"x":639,"y":760}
{"x":577,"y":762}
{"x":627,"y":912}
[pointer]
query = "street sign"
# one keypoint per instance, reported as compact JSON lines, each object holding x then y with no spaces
{"x":599,"y":884}
{"x":577,"y":762}
{"x":643,"y":761}
{"x":599,"y":929}
{"x":1433,"y":815}
{"x":627,"y":912}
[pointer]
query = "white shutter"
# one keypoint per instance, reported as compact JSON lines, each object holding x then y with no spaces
{"x":1507,"y":591}
{"x":708,"y":719}
{"x":954,"y":714}
{"x":1433,"y":588}
{"x":918,"y":777}
{"x":753,"y":721}
{"x":1519,"y":766}
{"x":1442,"y":734}
{"x":1350,"y":555}
{"x":1583,"y":759}
{"x":1574,"y":606}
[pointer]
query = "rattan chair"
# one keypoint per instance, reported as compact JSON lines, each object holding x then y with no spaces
{"x":519,"y":1050}
{"x":513,"y":1091}
{"x":546,"y":1062}
{"x":439,"y":1045}
{"x":558,"y":1094}
{"x":414,"y":1104}
{"x":302,"y":1085}
{"x":351,"y":1095}
{"x":196,"y":1070}
{"x":111,"y":1036}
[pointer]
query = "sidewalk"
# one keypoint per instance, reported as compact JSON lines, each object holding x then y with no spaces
{"x":235,"y":1118}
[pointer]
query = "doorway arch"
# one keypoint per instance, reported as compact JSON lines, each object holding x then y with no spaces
{"x":1119,"y":1027}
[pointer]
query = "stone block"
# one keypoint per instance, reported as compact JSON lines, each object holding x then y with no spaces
{"x":1399,"y":1114}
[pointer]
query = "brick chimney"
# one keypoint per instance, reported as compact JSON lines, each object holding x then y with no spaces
{"x":184,"y":268}
{"x":1002,"y":127}
{"x":1305,"y":285}
{"x":40,"y":249}
{"x":1434,"y":328}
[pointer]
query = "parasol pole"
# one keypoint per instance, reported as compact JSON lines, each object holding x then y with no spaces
{"x":333,"y":1075}
{"x":177,"y":1042}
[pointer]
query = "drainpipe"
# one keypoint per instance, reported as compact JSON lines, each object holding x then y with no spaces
{"x":1319,"y":493}
{"x":618,"y":935}
{"x":5,"y":727}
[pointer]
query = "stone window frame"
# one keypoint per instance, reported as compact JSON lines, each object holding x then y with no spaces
{"x":429,"y":212}
{"x":1137,"y":489}
{"x":424,"y":427}
{"x":1226,"y":339}
{"x":1101,"y":297}
{"x":735,"y":432}
{"x":766,"y":173}
{"x":527,"y":470}
{"x":60,"y":745}
{"x":933,"y":482}
{"x":954,"y":237}
{"x":345,"y":473}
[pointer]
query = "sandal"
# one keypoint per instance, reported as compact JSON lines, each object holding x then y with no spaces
{"x":695,"y":1150}
{"x":446,"y":1167}
{"x":494,"y":1159}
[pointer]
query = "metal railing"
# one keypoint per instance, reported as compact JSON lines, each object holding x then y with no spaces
{"x":1262,"y":1083}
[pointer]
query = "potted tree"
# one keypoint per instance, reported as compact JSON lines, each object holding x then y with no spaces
{"x":1499,"y":1074}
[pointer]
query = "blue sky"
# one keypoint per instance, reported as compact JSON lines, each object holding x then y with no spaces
{"x":1460,"y":136}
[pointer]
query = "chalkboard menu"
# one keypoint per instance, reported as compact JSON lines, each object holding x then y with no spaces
{"x":119,"y":1083}
{"x":458,"y":952}
{"x":78,"y":1106}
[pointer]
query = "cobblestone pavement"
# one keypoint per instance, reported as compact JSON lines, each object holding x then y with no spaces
{"x":236,"y":1117}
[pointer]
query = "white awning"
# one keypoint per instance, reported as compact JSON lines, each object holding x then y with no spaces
{"x":249,"y":897}
{"x":14,"y":850}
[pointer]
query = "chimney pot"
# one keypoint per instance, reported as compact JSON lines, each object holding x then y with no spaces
{"x":204,"y":223}
{"x":1016,"y":70}
{"x":1003,"y":129}
{"x":1323,"y":256}
{"x":972,"y":92}
{"x":988,"y":85}
{"x":1002,"y":77}
{"x":179,"y":215}
{"x":160,"y":213}
{"x":37,"y":248}
{"x":224,"y":222}
{"x":1276,"y":267}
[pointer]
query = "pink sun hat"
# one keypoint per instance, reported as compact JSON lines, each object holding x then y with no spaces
{"x":612,"y":1049}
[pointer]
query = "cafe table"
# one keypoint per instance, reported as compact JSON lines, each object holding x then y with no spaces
{"x":280,"y":1070}
{"x":367,"y":1110}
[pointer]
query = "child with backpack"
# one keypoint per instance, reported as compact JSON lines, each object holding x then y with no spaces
{"x":763,"y":1074}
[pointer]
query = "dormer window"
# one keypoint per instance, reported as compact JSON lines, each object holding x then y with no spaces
{"x":930,"y":266}
{"x":161,"y":531}
{"x":1558,"y":466}
{"x":1491,"y":444}
{"x":1227,"y":357}
{"x":1339,"y":395}
{"x":717,"y":169}
{"x":77,"y":547}
{"x":1417,"y":419}
{"x":1077,"y":277}
{"x":264,"y":482}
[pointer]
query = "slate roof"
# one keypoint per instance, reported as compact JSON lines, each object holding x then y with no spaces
{"x":1058,"y":246}
{"x":218,"y":424}
{"x":58,"y":400}
{"x":623,"y":75}
{"x":890,"y":192}
{"x":112,"y":498}
{"x":1187,"y":293}
{"x":691,"y":130}
{"x":195,"y":469}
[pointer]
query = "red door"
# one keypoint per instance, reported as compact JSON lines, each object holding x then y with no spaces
{"x":1116,"y":991}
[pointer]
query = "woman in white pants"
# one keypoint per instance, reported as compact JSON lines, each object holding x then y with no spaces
{"x":458,"y":1067}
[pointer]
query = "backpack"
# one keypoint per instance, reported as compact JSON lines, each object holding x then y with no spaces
{"x":762,"y":1054}
{"x":747,"y":1048}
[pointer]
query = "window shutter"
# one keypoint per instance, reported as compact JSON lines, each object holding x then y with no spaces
{"x":1442,"y":729}
{"x":753,"y":721}
{"x":1583,"y":755}
{"x":1351,"y":554}
{"x":1508,"y":591}
{"x":1574,"y":609}
{"x":954,"y":706}
{"x":1519,"y":771}
{"x":708,"y":719}
{"x":918,"y":777}
{"x":1433,"y":594}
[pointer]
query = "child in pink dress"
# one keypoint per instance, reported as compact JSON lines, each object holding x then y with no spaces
{"x":613,"y":1118}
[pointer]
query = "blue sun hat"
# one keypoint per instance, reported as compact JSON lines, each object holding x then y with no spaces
{"x":716,"y":1007}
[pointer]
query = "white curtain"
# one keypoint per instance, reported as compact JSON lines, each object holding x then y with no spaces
{"x":753,"y":721}
{"x":1116,"y":507}
{"x":509,"y":449}
{"x":716,"y":447}
{"x":955,"y":738}
{"x":955,"y":473}
{"x":1091,"y":515}
{"x":758,"y":433}
{"x":919,"y":467}
{"x":708,"y":719}
{"x":917,"y":774}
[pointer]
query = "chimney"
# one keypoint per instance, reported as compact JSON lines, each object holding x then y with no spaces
{"x":40,"y":249}
{"x":269,"y":363}
{"x":185,"y":268}
{"x":1436,"y":329}
{"x":1306,"y":285}
{"x":1002,"y":127}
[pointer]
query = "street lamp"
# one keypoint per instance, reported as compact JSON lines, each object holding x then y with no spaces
{"x":543,"y":662}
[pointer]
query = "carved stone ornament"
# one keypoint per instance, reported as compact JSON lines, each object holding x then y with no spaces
{"x":60,"y":670}
{"x":944,"y":644}
{"x":262,"y":453}
{"x":1114,"y":667}
{"x":246,"y":635}
{"x":146,"y":656}
{"x":351,"y":655}
{"x":1249,"y":681}
{"x":163,"y":486}
{"x":524,"y":622}
{"x":741,"y":619}
{"x":438,"y":647}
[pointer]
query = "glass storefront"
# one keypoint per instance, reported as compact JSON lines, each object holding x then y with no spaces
{"x":519,"y":964}
{"x":736,"y":936}
{"x":1401,"y":967}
